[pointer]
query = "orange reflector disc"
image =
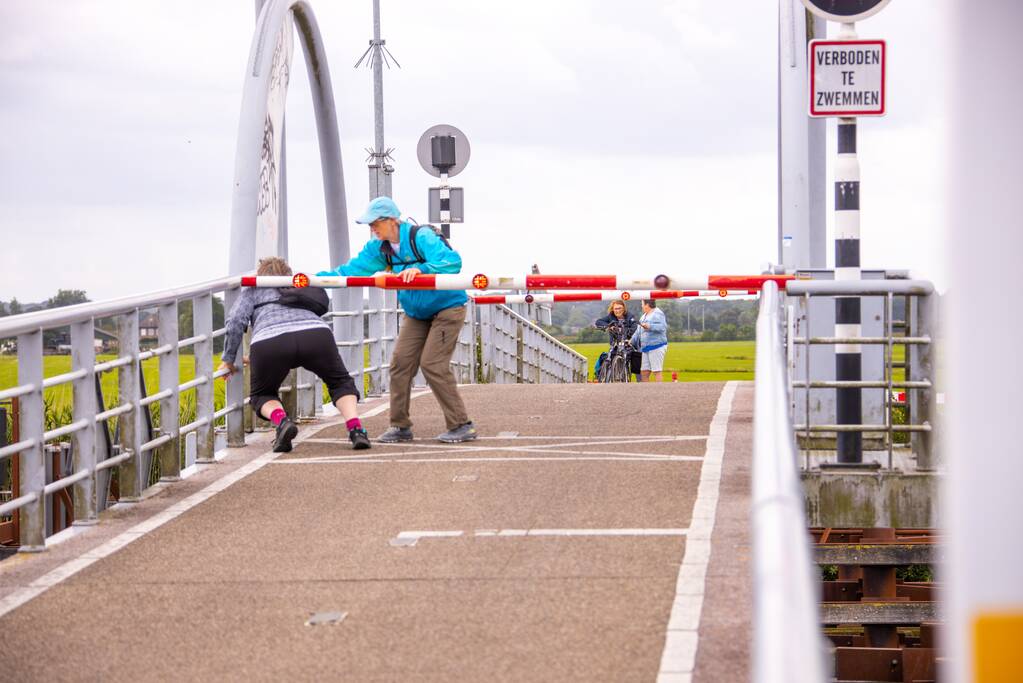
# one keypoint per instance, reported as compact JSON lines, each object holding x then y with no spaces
{"x":480,"y":281}
{"x":300,"y":280}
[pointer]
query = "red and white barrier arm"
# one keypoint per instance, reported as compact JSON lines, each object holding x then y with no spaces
{"x":602,"y":296}
{"x":481,"y":281}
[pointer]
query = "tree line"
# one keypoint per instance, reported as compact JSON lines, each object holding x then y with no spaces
{"x":55,"y":337}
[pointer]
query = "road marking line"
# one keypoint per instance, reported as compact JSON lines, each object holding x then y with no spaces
{"x":610,"y":439}
{"x":427,"y":456}
{"x":64,"y":571}
{"x":410,"y":538}
{"x":533,"y":448}
{"x":645,"y":456}
{"x":678,"y":660}
{"x":447,"y":448}
{"x":373,"y":461}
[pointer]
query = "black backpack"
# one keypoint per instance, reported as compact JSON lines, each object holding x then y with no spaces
{"x":389,"y":254}
{"x":313,"y":299}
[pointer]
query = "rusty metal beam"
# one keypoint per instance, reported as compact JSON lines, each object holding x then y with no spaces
{"x":878,"y":612}
{"x":883,"y":554}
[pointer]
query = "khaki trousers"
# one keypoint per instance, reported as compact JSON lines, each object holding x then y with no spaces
{"x":427,"y":344}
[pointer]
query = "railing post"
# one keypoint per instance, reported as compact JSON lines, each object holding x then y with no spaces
{"x":130,"y":476}
{"x":234,"y":392}
{"x":359,"y":337}
{"x":170,"y":407}
{"x":470,"y":322}
{"x":306,"y":393}
{"x":32,"y":424}
{"x":248,"y":421}
{"x":486,"y":323}
{"x":390,"y":334}
{"x":289,"y":398}
{"x":520,"y":369}
{"x":376,"y":332}
{"x":509,"y":347}
{"x":925,"y":406}
{"x":202,"y":324}
{"x":343,"y":299}
{"x":538,"y":341}
{"x":83,"y":357}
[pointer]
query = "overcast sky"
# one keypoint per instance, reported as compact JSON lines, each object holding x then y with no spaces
{"x":606,"y":136}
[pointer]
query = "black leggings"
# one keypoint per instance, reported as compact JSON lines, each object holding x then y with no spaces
{"x":270,"y":361}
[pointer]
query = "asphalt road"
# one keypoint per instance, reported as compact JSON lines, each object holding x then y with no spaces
{"x":549,"y":549}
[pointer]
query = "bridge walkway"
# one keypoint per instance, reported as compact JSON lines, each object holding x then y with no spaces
{"x":570,"y":542}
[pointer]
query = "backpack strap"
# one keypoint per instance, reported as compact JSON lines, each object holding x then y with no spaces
{"x":266,"y":303}
{"x":412,"y":243}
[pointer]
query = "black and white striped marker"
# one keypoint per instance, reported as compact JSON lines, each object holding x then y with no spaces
{"x":848,"y":357}
{"x":445,"y":206}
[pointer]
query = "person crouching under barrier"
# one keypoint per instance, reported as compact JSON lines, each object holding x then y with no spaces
{"x":288,"y":333}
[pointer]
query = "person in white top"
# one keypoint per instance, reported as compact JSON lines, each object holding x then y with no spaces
{"x":651,"y":338}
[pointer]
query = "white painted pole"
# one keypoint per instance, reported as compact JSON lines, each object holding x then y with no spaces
{"x":984,"y":234}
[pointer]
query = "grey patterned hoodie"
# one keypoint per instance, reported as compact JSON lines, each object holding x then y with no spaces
{"x":267,"y":321}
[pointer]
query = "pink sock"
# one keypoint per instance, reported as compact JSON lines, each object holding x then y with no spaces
{"x":278,"y":416}
{"x":354,"y":423}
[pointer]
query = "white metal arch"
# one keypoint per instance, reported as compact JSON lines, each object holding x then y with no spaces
{"x":258,"y":179}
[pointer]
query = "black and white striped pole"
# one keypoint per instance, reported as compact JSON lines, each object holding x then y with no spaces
{"x":848,"y":357}
{"x":847,"y":80}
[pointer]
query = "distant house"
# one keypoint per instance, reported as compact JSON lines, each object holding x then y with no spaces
{"x":105,"y":341}
{"x":149,"y":327}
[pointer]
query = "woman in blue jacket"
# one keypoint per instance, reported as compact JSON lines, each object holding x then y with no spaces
{"x":433,"y":318}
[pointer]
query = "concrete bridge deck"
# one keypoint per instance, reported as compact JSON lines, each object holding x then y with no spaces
{"x":580,"y":538}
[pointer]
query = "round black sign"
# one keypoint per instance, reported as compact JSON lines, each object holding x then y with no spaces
{"x":846,"y":11}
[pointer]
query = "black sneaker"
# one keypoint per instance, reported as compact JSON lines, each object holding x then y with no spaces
{"x":359,"y":439}
{"x":465,"y":432}
{"x":286,"y":431}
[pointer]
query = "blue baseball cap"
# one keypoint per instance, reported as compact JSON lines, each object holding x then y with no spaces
{"x":381,"y":207}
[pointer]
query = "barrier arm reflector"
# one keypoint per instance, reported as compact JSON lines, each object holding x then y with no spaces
{"x":481,"y":281}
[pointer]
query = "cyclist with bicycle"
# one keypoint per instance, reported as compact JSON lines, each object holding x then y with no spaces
{"x":620,"y":326}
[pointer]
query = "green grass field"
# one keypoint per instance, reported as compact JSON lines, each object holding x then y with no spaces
{"x":695,"y":361}
{"x":60,"y":396}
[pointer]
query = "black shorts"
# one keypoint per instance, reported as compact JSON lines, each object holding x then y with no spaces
{"x":270,"y":361}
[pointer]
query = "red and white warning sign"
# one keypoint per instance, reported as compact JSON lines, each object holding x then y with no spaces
{"x":847,"y":77}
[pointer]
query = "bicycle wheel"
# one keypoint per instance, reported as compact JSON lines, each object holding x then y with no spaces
{"x":619,"y":371}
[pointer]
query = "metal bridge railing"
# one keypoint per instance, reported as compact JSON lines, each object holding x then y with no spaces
{"x":88,"y":420}
{"x":494,"y":345}
{"x":515,"y":350}
{"x":916,"y":334}
{"x":787,"y":642}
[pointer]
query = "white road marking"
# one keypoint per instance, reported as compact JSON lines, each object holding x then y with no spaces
{"x":22,"y":595}
{"x":410,"y":538}
{"x":610,"y":439}
{"x":438,"y":449}
{"x":342,"y":460}
{"x":678,"y":659}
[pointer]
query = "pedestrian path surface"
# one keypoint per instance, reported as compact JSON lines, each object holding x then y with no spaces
{"x":593,"y":532}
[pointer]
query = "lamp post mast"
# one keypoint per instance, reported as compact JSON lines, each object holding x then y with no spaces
{"x":376,"y":57}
